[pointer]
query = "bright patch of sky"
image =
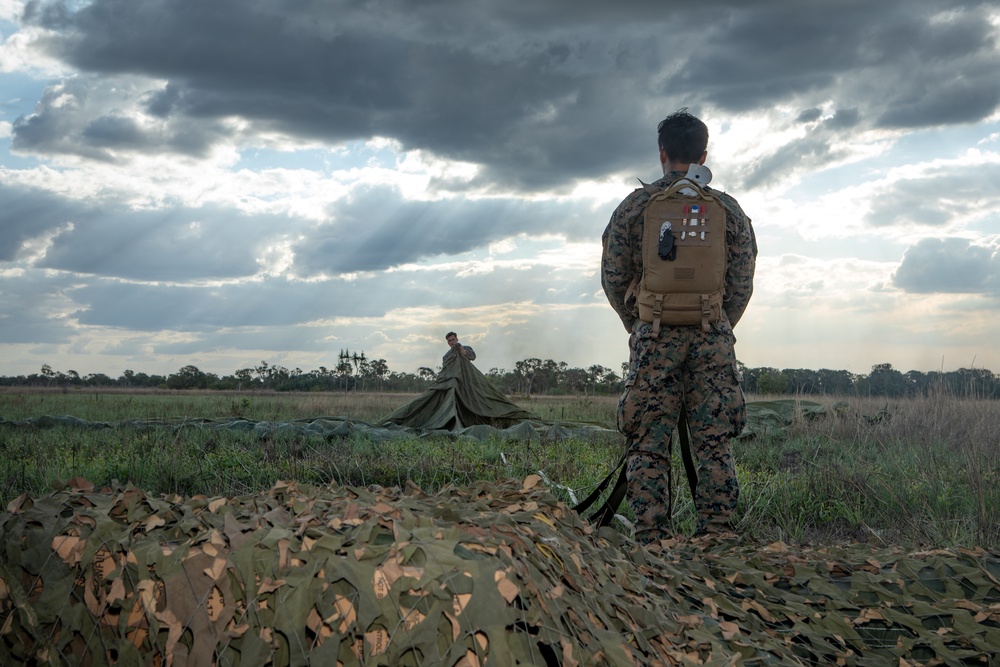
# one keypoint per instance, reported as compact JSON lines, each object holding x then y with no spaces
{"x":326,"y":160}
{"x":18,"y":95}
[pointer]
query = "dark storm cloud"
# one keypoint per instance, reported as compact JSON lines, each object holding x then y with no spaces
{"x":110,"y":239}
{"x":373,"y":229}
{"x":31,"y":309}
{"x":950,"y":266}
{"x":26,"y":214}
{"x":170,"y":244}
{"x":809,"y":115}
{"x":83,"y":116}
{"x":809,"y":152}
{"x":277,"y":302}
{"x":376,"y":228}
{"x":538,"y":94}
{"x":898,"y":60}
{"x":938,"y":198}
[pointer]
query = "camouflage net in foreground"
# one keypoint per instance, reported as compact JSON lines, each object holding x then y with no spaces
{"x":491,"y":574}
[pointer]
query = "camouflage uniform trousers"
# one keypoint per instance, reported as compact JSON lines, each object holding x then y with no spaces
{"x":698,"y":368}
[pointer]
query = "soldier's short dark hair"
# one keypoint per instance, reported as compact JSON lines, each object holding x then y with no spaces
{"x":682,"y":136}
{"x":450,"y":334}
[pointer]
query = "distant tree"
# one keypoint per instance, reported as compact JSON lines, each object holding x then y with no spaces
{"x":576,"y":380}
{"x":344,"y":370}
{"x":378,"y":370}
{"x":279,"y":377}
{"x":98,"y":380}
{"x":772,"y":381}
{"x":244,"y":377}
{"x":802,"y":381}
{"x":595,"y":375}
{"x":127,"y":379}
{"x":408,"y":382}
{"x":837,"y":383}
{"x":188,"y":377}
{"x":358,"y":360}
{"x":611,"y":383}
{"x":884,"y":380}
{"x":526,"y":370}
{"x":502,"y":379}
{"x":974,"y":383}
{"x":547,"y":377}
{"x":263,"y":371}
{"x":537,"y":376}
{"x":749,"y":377}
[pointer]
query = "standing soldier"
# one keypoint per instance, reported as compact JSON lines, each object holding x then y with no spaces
{"x":455,"y":347}
{"x":679,"y":368}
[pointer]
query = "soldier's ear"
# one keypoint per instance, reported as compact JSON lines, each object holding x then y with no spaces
{"x":704,"y":156}
{"x":663,"y":156}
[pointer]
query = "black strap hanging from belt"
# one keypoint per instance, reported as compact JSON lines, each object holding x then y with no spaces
{"x":606,"y":512}
{"x":687,"y":456}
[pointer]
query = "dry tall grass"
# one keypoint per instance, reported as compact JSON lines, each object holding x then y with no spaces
{"x":920,"y":469}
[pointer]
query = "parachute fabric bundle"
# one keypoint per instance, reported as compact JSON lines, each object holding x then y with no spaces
{"x":494,"y":573}
{"x":461,"y":397}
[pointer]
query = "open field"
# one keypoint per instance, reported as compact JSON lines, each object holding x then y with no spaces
{"x":908,"y":472}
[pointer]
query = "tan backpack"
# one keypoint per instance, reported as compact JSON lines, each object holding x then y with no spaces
{"x":683,"y":257}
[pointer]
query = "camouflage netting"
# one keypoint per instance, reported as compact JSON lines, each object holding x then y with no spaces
{"x":495,"y":573}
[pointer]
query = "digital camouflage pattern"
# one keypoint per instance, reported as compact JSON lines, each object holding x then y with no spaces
{"x":680,"y":364}
{"x":489,"y":574}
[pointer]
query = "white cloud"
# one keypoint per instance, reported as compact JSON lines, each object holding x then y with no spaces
{"x":19,"y":51}
{"x":10,"y":10}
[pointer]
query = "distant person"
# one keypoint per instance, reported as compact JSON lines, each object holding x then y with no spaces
{"x":455,"y":347}
{"x":671,"y":365}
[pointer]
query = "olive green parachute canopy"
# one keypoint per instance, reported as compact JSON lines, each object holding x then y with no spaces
{"x":770,"y":416}
{"x":461,"y":397}
{"x":489,"y":574}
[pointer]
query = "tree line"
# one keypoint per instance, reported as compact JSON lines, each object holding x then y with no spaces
{"x":357,"y":372}
{"x":883,"y":380}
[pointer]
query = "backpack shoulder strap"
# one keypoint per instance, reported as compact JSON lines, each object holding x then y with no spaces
{"x":649,"y":187}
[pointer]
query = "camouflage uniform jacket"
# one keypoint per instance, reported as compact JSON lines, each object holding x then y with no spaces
{"x":621,"y":263}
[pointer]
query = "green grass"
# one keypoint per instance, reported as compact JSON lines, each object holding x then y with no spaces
{"x":926,"y":475}
{"x":929,"y":474}
{"x":111,"y":405}
{"x":218,"y":462}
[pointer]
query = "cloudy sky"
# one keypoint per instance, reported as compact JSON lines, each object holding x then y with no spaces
{"x":221,"y":182}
